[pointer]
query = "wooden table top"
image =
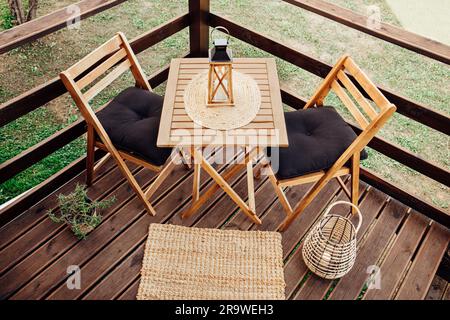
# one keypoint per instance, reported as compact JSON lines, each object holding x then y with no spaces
{"x":267,"y":129}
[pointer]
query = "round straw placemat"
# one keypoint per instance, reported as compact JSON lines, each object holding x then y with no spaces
{"x":247,"y":101}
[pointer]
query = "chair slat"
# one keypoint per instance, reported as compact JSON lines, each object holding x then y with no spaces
{"x":183,"y":117}
{"x":368,"y":85}
{"x":107,"y":80}
{"x":310,"y":177}
{"x":96,"y":55}
{"x":348,"y":84}
{"x":191,"y":125}
{"x":324,"y":87}
{"x":349,"y":104}
{"x":101,"y":69}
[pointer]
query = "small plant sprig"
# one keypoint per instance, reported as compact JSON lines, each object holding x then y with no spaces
{"x":78,"y":211}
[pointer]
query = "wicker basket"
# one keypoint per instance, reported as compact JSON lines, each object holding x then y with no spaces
{"x":330,"y":248}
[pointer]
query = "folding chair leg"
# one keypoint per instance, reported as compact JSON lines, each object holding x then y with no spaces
{"x":147,"y":204}
{"x":279,"y":191}
{"x":344,"y":187}
{"x":196,"y":182}
{"x":307,"y":199}
{"x":90,"y":157}
{"x":250,"y":185}
{"x":101,"y":162}
{"x":132,"y":181}
{"x":355,"y":180}
{"x":298,"y":209}
{"x":187,"y":158}
{"x":161,"y":177}
{"x":259,"y":166}
{"x":257,"y":170}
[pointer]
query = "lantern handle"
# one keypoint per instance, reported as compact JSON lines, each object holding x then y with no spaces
{"x":223,"y":29}
{"x":348,"y":203}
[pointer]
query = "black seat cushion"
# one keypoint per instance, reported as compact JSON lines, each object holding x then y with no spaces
{"x":317,"y":138}
{"x":132,"y":123}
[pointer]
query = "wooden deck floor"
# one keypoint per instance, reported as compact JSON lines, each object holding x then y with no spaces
{"x":35,"y":252}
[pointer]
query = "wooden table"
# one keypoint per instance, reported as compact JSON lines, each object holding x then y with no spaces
{"x":267,"y":129}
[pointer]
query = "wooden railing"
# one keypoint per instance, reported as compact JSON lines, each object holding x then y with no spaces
{"x":384,"y":31}
{"x":199,"y":19}
{"x":52,"y":22}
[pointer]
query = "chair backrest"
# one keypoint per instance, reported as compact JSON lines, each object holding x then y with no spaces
{"x":370,"y":118}
{"x":361,"y":110}
{"x":110,"y":60}
{"x":114,"y":58}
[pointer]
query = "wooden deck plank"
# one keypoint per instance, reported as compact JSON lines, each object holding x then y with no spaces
{"x":351,"y":285}
{"x":126,"y":273}
{"x":34,"y":263}
{"x":120,"y":278}
{"x":447,"y":293}
{"x":79,"y":254}
{"x":131,"y":292}
{"x":424,"y":267}
{"x":29,"y":218}
{"x":315,"y":288}
{"x":115,"y":252}
{"x":47,"y":228}
{"x":399,"y":257}
{"x":125,"y":243}
{"x":299,"y":228}
{"x":437,"y":289}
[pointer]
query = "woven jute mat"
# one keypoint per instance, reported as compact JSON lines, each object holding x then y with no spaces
{"x":247,"y":102}
{"x":210,"y":264}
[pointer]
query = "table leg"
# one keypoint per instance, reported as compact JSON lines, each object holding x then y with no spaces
{"x":221,"y":182}
{"x":187,"y":159}
{"x":209,"y":193}
{"x":227,"y":188}
{"x":197,"y":170}
{"x":250,"y":184}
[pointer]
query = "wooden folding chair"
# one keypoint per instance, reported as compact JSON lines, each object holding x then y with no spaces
{"x":370,"y":118}
{"x":107,"y":63}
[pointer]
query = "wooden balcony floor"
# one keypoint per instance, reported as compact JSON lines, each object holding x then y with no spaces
{"x":35,"y":252}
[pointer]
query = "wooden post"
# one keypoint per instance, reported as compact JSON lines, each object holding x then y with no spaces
{"x":199,"y":28}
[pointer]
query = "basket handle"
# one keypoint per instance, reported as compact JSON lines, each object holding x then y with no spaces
{"x":223,"y":29}
{"x":348,"y":203}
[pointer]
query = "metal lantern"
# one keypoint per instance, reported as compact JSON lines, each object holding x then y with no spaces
{"x":220,"y":77}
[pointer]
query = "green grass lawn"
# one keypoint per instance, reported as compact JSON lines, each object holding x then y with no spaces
{"x":414,"y":76}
